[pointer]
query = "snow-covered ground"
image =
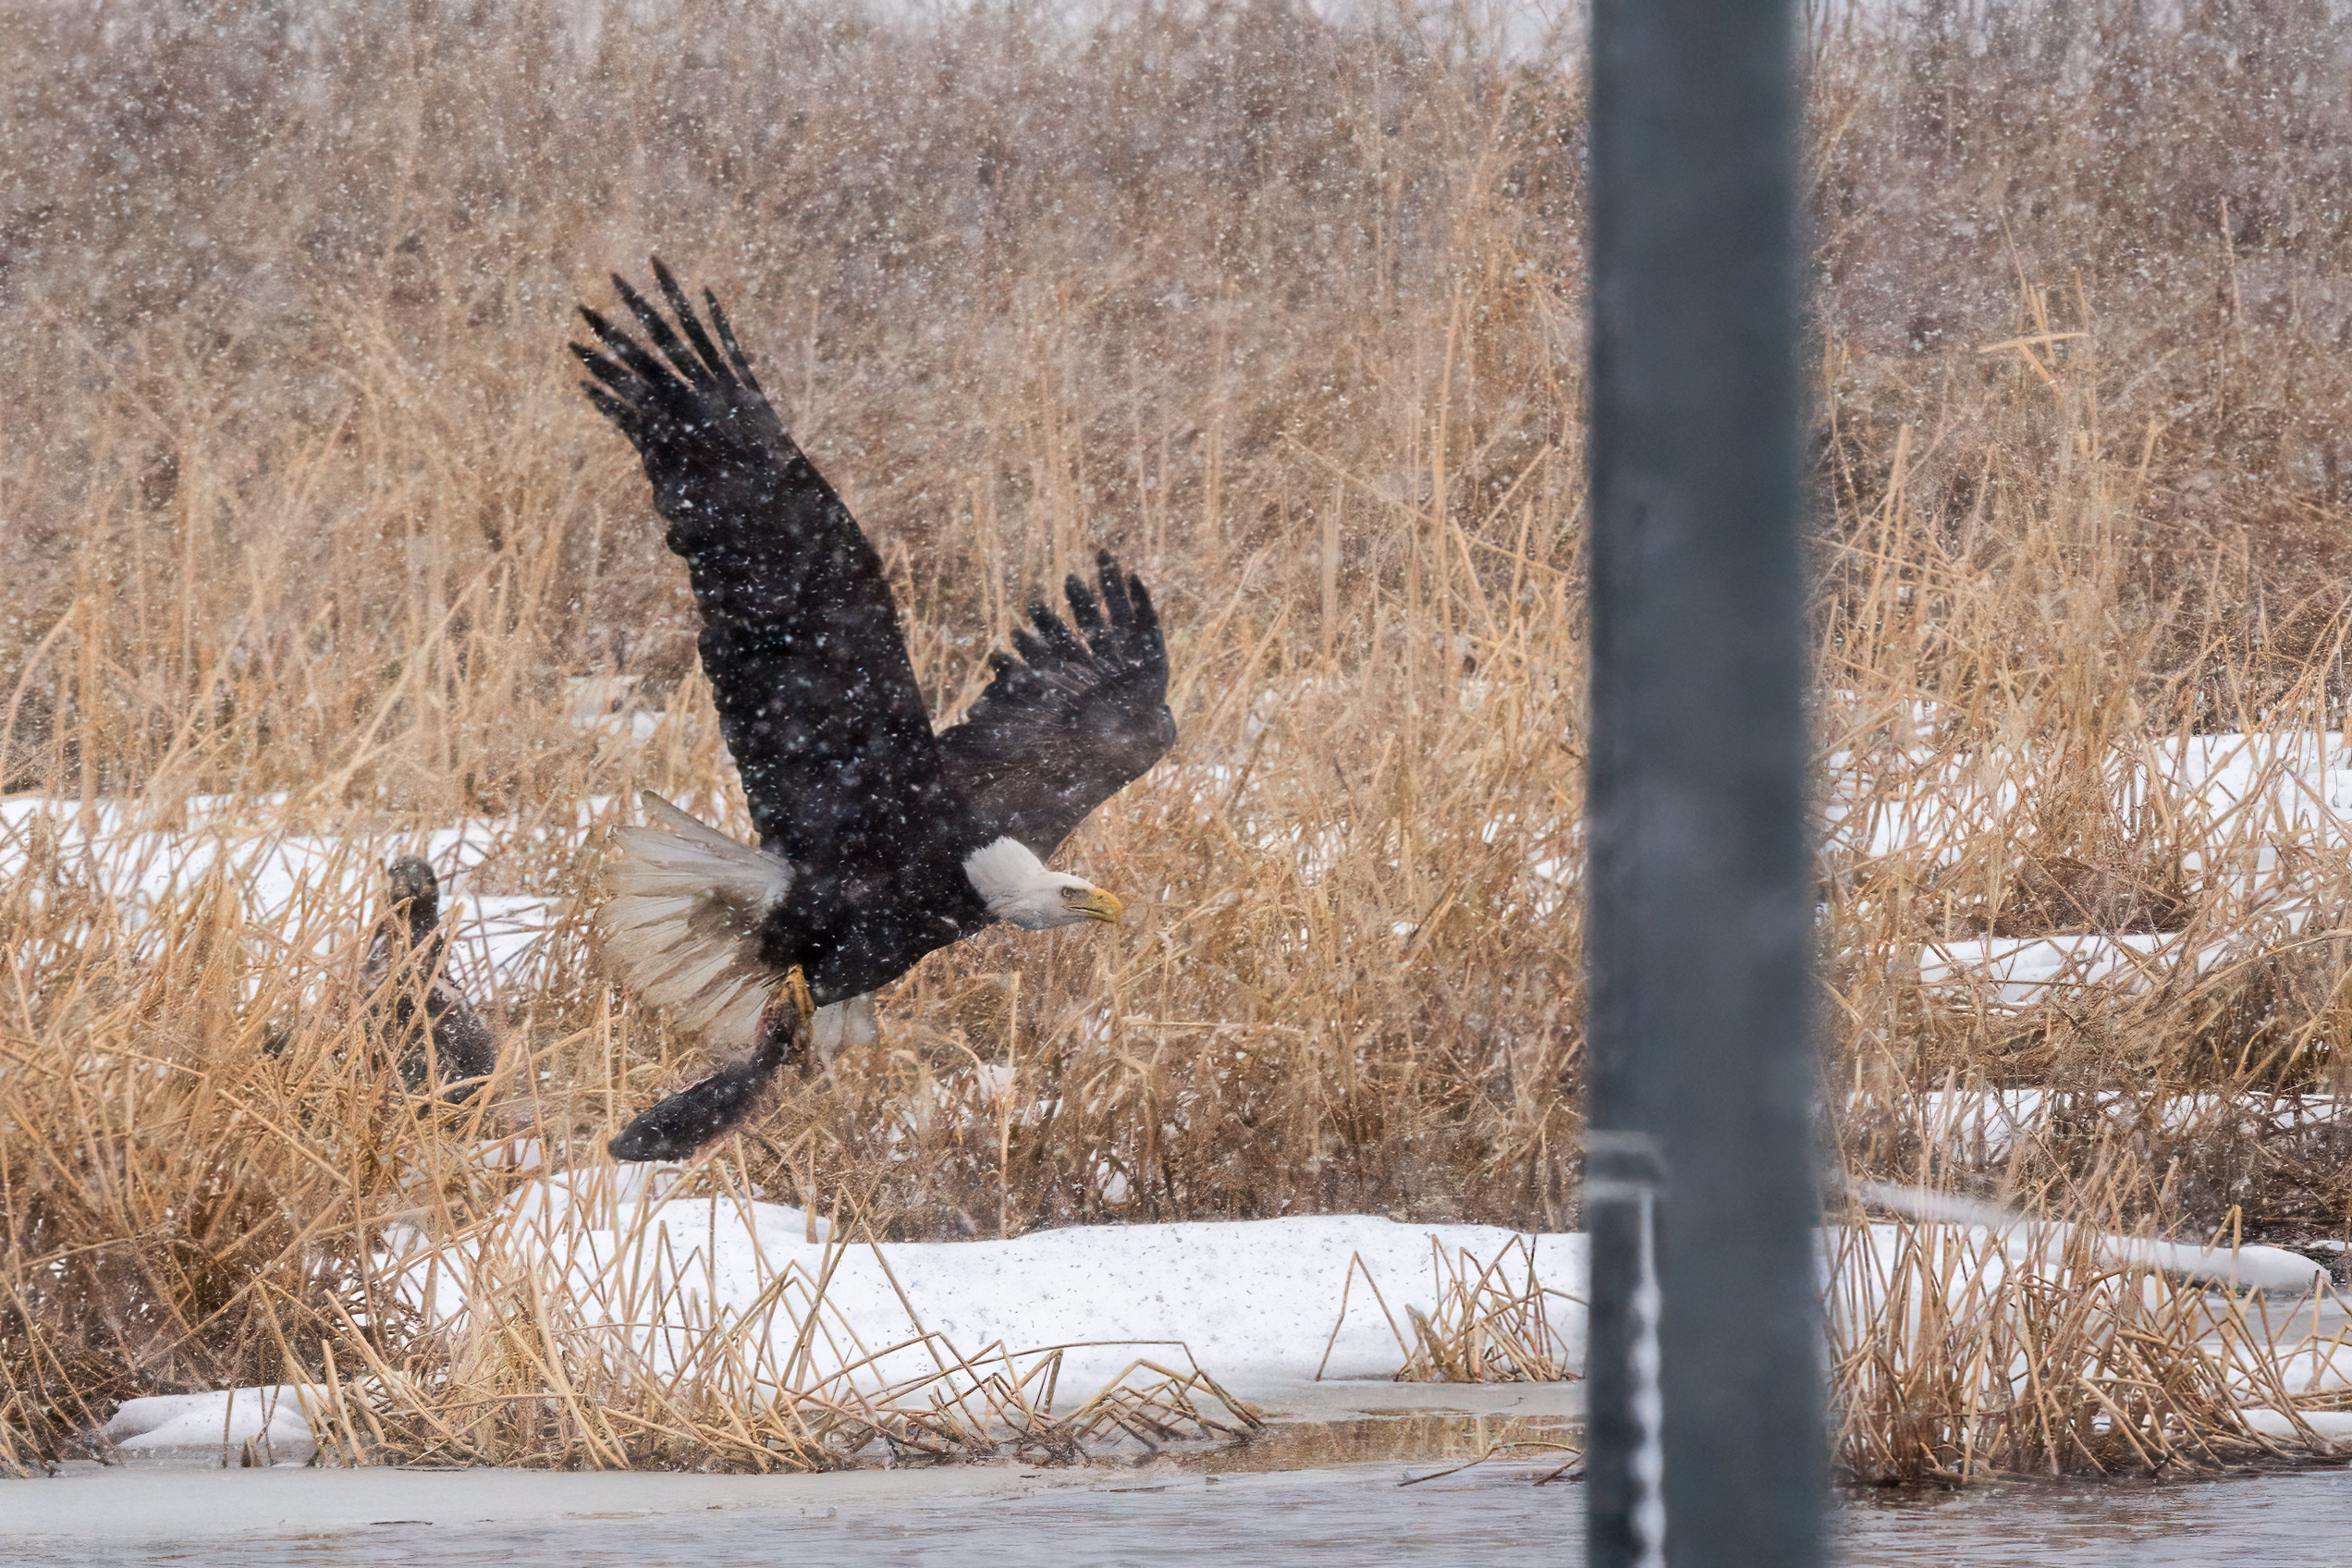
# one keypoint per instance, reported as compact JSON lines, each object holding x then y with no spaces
{"x":1982,"y":1127}
{"x":1260,"y":1306}
{"x":2257,"y":814}
{"x":1287,"y":1314}
{"x":1254,"y":1302}
{"x":2041,"y":1245}
{"x":301,"y":885}
{"x":1264,"y":1307}
{"x":2280,"y":784}
{"x":208,"y":1426}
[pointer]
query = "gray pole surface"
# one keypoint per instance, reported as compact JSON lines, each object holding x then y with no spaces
{"x":1707,"y":1440}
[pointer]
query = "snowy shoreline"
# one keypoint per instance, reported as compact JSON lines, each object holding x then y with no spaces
{"x":1308,"y":1319}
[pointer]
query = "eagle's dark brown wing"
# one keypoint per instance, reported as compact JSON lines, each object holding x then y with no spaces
{"x":1061,"y":727}
{"x":815,"y":696}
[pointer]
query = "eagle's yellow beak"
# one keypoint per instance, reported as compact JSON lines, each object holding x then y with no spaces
{"x":1094,"y":904}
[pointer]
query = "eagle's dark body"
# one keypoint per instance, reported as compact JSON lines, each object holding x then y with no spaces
{"x":865,"y":817}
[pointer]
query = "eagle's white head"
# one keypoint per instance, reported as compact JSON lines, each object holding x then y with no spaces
{"x":1016,"y":885}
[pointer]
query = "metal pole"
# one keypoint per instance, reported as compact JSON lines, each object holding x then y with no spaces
{"x":1704,"y":1362}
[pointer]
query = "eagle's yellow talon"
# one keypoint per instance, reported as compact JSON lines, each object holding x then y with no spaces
{"x":803,"y":1005}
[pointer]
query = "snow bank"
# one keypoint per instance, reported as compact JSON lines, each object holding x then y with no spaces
{"x":218,"y":1425}
{"x":1262,"y":1305}
{"x":2042,"y":1243}
{"x":2287,"y":783}
{"x":1984,"y":1125}
{"x":2331,"y":1427}
{"x":1251,"y":1302}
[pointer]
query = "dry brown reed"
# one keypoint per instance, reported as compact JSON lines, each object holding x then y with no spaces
{"x":1959,"y":1354}
{"x":1964,"y":1351}
{"x":2083,"y":398}
{"x":1491,"y":1323}
{"x":539,"y":1368}
{"x":304,"y":512}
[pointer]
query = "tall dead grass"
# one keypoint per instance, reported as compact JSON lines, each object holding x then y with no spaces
{"x":304,"y":512}
{"x":1959,"y":1354}
{"x":2084,"y":396}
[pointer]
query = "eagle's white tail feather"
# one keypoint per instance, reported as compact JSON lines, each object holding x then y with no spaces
{"x":683,"y":924}
{"x":692,"y":829}
{"x":691,"y":980}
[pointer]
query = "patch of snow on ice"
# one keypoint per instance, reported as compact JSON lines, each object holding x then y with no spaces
{"x":164,"y":1425}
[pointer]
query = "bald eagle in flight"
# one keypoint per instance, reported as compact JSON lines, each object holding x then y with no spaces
{"x":880,"y":840}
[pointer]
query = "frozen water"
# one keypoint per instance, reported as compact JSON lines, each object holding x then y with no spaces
{"x":980,"y":1519}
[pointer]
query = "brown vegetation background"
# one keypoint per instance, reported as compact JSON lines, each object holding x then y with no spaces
{"x":300,"y":506}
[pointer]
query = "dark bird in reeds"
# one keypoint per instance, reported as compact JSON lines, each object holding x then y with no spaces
{"x":418,"y":1010}
{"x":880,"y":840}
